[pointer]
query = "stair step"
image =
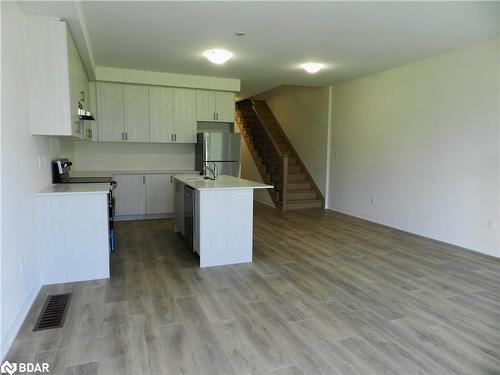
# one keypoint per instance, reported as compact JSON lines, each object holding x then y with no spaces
{"x":296,"y":177}
{"x":299,"y":185}
{"x":295,"y":195}
{"x":306,"y":203}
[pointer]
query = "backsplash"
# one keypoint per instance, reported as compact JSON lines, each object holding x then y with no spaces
{"x":87,"y":156}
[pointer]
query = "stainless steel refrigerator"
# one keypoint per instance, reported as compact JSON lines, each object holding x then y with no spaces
{"x":223,"y":149}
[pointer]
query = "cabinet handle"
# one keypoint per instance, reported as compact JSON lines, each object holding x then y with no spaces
{"x":143,"y":179}
{"x":216,"y":115}
{"x":175,"y":137}
{"x":126,"y":136}
{"x":171,"y":137}
{"x":171,"y":179}
{"x":122,"y":137}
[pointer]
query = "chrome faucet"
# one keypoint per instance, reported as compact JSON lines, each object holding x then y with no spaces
{"x":214,"y":170}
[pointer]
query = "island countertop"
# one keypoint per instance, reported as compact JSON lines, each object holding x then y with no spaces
{"x":224,"y":182}
{"x":87,"y":188}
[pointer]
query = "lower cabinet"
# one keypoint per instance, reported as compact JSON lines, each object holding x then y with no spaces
{"x":159,"y":193}
{"x":144,"y":194}
{"x":130,"y":194}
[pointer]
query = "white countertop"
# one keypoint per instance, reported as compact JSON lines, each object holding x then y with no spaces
{"x":92,"y":188}
{"x":144,"y":171}
{"x":222,"y":183}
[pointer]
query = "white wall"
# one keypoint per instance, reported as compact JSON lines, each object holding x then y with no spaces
{"x":303,"y":114}
{"x":106,"y":73}
{"x":89,"y":156}
{"x":25,"y":169}
{"x":423,"y":140}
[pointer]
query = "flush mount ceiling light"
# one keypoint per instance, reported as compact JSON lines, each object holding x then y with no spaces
{"x":217,"y":56}
{"x":312,"y":67}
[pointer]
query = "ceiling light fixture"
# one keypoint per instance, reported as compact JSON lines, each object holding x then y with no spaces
{"x":217,"y":56}
{"x":312,"y":67}
{"x":239,"y":33}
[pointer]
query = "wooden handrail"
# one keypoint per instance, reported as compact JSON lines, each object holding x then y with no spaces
{"x":266,"y":129}
{"x":294,"y":153}
{"x":262,"y":174}
{"x":284,"y":184}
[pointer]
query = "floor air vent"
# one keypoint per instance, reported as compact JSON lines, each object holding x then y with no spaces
{"x":53,"y":312}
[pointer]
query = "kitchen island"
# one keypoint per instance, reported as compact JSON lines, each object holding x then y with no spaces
{"x":216,"y":217}
{"x":72,"y":232}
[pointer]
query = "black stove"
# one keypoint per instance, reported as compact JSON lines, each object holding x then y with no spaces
{"x":85,"y":180}
{"x":60,"y":174}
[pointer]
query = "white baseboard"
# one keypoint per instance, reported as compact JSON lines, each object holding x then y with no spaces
{"x":143,"y":217}
{"x":412,"y":229}
{"x":16,"y":326}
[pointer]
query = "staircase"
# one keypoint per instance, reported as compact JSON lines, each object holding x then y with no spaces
{"x":275,"y":157}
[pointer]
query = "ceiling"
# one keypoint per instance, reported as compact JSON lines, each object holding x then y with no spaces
{"x":352,"y":38}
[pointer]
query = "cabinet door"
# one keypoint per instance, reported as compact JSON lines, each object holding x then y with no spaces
{"x":110,"y":112}
{"x":205,"y":105}
{"x":130,"y":194}
{"x":185,"y":116}
{"x":159,"y":194}
{"x":92,"y":107}
{"x":78,"y":85}
{"x":136,"y":100}
{"x":161,"y":114}
{"x":224,"y":106}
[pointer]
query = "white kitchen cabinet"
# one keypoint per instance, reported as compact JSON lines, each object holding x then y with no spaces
{"x":159,"y":193}
{"x":161,"y":114}
{"x":214,"y":106}
{"x":110,"y":112}
{"x":56,"y":78}
{"x":136,"y":103}
{"x":185,"y":126}
{"x":224,"y":106}
{"x":91,"y":130}
{"x":205,"y":105}
{"x":130,"y":194}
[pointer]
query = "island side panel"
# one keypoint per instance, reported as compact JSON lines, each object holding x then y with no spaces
{"x":72,"y":237}
{"x":225,"y":228}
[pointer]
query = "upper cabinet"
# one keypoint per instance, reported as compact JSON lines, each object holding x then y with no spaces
{"x":110,"y":112}
{"x":185,"y":116}
{"x":122,"y":112}
{"x":140,"y":113}
{"x":172,"y":114}
{"x":214,"y":106}
{"x":136,"y":99}
{"x":57,"y":79}
{"x":161,"y":114}
{"x":224,"y":106}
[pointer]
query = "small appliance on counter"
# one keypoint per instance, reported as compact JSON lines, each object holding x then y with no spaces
{"x":219,"y":149}
{"x":60,"y":175}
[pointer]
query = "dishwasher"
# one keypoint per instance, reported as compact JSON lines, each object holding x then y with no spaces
{"x":189,"y":210}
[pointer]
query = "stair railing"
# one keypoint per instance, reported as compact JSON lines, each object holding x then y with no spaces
{"x":284,"y":184}
{"x":279,"y":156}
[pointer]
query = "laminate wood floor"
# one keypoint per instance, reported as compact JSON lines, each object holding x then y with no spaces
{"x":326,"y":294}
